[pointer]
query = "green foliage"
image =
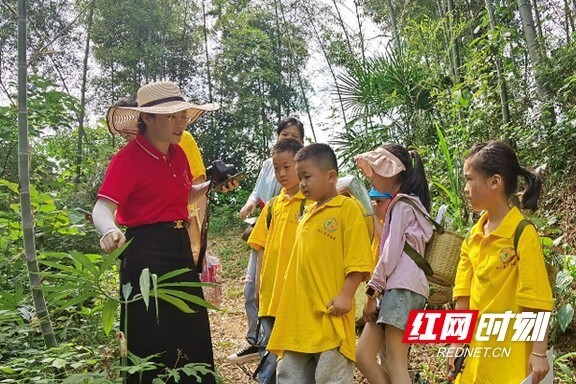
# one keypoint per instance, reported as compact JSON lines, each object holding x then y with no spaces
{"x":394,"y":87}
{"x":142,"y":41}
{"x":566,"y":294}
{"x":67,"y":363}
{"x":563,"y":368}
{"x":224,"y":209}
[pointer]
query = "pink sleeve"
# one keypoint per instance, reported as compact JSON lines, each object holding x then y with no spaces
{"x":393,"y":239}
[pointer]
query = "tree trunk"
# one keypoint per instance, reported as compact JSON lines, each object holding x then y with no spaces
{"x":393,"y":24}
{"x":298,"y":75}
{"x":360,"y":33}
{"x":569,"y":21}
{"x":208,"y":69}
{"x":538,"y":20}
{"x":501,"y":81}
{"x":325,"y":53}
{"x":534,"y":53}
{"x":82,"y":112}
{"x":24,"y":186}
{"x":454,"y":44}
{"x":344,"y":29}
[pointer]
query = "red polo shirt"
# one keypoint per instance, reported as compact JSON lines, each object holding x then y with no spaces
{"x":148,"y":186}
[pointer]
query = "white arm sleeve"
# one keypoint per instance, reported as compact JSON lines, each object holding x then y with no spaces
{"x":103,"y":216}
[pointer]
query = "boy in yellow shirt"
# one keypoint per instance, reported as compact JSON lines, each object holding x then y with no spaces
{"x":314,"y":330}
{"x":273,"y":237}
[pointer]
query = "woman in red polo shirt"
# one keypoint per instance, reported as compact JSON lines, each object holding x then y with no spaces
{"x":149,"y":184}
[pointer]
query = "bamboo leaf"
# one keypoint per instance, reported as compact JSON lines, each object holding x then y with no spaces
{"x":191,"y":284}
{"x":109,"y":314}
{"x":118,"y":251}
{"x":174,"y":273}
{"x":85,"y":262}
{"x":188,"y":297}
{"x":62,"y":267}
{"x":178,"y":303}
{"x":155,"y":291}
{"x":126,"y":291}
{"x":108,"y":261}
{"x":145,"y":286}
{"x":77,"y":300}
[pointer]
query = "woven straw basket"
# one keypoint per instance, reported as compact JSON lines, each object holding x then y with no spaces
{"x":439,"y":294}
{"x":443,"y":254}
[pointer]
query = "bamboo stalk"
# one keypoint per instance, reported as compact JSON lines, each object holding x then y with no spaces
{"x":24,"y":182}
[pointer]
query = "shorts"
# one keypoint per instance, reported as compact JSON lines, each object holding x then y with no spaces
{"x":395,"y":306}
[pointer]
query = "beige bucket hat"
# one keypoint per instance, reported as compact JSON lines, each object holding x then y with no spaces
{"x":380,"y":161}
{"x":161,"y":98}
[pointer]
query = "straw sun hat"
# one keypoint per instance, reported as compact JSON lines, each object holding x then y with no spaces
{"x":161,"y":98}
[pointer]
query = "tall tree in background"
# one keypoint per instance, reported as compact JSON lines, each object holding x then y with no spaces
{"x":136,"y":42}
{"x":535,"y":54}
{"x":254,"y":78}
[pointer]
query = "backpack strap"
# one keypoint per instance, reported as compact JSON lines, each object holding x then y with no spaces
{"x":302,"y":206}
{"x":437,"y":226}
{"x":519,"y":229}
{"x":421,"y":262}
{"x":271,"y":204}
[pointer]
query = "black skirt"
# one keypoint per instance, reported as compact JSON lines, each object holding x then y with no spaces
{"x":180,"y":338}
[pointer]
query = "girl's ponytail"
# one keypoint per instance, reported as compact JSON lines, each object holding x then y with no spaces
{"x":531,"y":193}
{"x":498,"y":158}
{"x":418,"y":179}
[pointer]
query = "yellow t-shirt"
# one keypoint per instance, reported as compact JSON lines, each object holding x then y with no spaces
{"x":331,"y":242}
{"x":190,"y":147}
{"x":277,"y":242}
{"x":498,"y":279}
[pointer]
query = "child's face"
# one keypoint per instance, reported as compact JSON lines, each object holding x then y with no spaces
{"x":315,"y":183}
{"x":290,"y":132}
{"x":478,"y":189}
{"x":380,"y":206}
{"x":285,"y":169}
{"x":385,"y":184}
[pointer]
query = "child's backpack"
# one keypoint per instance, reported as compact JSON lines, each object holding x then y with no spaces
{"x":440,"y":260}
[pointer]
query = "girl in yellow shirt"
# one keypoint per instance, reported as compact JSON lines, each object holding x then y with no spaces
{"x":493,"y":276}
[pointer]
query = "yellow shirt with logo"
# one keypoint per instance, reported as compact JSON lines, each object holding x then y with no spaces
{"x":190,"y":147}
{"x":497,"y":279}
{"x":331,"y":242}
{"x":277,"y":241}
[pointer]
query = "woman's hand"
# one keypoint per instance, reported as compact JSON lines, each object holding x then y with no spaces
{"x":370,"y":311}
{"x":248,"y":208}
{"x":112,"y":240}
{"x":229,"y":186}
{"x":539,"y":366}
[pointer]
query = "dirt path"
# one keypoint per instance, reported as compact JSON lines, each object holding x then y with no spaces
{"x":229,"y":332}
